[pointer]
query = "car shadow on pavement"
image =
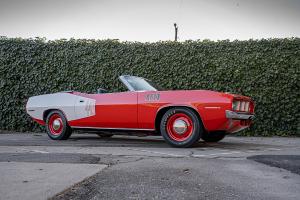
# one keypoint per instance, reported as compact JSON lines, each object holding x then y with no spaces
{"x":93,"y":140}
{"x":156,"y":142}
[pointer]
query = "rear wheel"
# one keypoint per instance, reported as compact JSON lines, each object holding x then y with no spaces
{"x":57,"y":126}
{"x":181,"y":127}
{"x":214,"y":136}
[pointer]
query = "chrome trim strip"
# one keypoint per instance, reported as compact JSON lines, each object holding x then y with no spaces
{"x":234,"y":115}
{"x":102,"y":128}
{"x":212,"y":107}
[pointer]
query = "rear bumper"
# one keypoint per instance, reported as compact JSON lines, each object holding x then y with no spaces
{"x":239,"y":116}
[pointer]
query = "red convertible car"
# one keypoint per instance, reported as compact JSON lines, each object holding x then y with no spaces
{"x":182,"y":117}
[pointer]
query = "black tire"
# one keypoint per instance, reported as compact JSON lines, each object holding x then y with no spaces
{"x":105,"y":135}
{"x":66,"y":130}
{"x":194,"y":133}
{"x":215,"y":136}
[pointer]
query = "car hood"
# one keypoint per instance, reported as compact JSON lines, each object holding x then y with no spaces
{"x":207,"y":93}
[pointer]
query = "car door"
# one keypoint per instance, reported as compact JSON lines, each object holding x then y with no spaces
{"x":112,"y":110}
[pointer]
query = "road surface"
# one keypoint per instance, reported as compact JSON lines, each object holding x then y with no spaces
{"x":129,"y":167}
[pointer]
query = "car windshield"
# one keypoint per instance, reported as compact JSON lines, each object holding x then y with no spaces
{"x":139,"y":84}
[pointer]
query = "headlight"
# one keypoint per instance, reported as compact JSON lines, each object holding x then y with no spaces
{"x":243,"y":106}
{"x":247,"y":106}
{"x":235,"y":105}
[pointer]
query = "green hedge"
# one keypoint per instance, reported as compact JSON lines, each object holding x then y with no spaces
{"x":266,"y":70}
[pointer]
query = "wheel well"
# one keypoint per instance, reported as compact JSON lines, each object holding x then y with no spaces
{"x":46,"y":113}
{"x":162,"y":111}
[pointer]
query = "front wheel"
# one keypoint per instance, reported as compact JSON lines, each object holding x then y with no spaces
{"x":181,"y":127}
{"x":57,"y":126}
{"x":214,"y":136}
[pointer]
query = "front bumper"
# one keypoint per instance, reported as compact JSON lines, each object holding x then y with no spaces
{"x":238,"y":116}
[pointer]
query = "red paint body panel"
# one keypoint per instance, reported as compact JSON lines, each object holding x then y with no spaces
{"x":213,"y":117}
{"x":39,"y":121}
{"x":138,"y":110}
{"x":113,"y":110}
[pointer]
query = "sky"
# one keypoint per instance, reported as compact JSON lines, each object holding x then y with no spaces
{"x":150,"y":20}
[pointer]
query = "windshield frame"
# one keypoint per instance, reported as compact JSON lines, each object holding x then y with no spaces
{"x":124,"y":80}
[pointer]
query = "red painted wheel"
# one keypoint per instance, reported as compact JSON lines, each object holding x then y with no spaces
{"x":181,"y":127}
{"x":57,"y":126}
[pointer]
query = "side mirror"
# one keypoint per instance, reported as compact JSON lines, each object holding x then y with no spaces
{"x":101,"y":91}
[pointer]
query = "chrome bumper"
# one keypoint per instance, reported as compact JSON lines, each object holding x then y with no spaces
{"x":234,"y":115}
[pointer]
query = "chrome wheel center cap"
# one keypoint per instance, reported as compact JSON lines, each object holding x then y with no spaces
{"x":56,"y":124}
{"x":180,"y":126}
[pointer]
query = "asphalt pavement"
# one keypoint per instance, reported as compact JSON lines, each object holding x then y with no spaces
{"x":129,"y":167}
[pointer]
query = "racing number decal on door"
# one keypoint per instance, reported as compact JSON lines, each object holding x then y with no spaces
{"x":152,"y":97}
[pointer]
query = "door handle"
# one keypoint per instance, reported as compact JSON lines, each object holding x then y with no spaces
{"x":81,"y":101}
